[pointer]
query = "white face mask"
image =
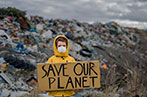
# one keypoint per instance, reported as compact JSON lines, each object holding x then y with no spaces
{"x":62,"y":49}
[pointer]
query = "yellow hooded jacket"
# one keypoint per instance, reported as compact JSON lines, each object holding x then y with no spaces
{"x":61,"y":58}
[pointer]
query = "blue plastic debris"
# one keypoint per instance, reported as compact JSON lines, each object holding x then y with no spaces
{"x":49,"y":25}
{"x":33,"y":30}
{"x":78,"y":95}
{"x":20,"y":48}
{"x":109,"y":25}
{"x":1,"y":42}
{"x":24,"y":51}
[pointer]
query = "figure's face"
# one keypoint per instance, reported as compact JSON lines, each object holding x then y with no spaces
{"x":60,"y":43}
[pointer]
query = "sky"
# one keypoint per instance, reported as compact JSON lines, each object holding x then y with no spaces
{"x":84,"y":10}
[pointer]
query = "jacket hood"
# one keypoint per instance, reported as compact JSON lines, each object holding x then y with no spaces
{"x":60,"y":54}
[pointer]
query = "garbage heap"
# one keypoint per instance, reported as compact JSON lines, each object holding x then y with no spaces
{"x":122,"y":53}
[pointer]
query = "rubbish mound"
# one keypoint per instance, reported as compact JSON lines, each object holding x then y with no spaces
{"x":122,"y":53}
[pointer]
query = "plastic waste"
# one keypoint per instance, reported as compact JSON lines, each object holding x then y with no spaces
{"x":20,"y":48}
{"x":4,"y":37}
{"x":33,"y":30}
{"x":39,"y":27}
{"x":85,"y":53}
{"x":69,"y":35}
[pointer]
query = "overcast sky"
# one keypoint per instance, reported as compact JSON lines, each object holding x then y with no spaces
{"x":83,"y":10}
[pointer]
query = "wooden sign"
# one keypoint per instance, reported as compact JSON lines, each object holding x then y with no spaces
{"x":68,"y":76}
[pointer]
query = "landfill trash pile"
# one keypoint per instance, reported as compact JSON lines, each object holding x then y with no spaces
{"x":122,"y":53}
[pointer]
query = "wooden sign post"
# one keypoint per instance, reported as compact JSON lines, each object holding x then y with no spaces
{"x":68,"y":76}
